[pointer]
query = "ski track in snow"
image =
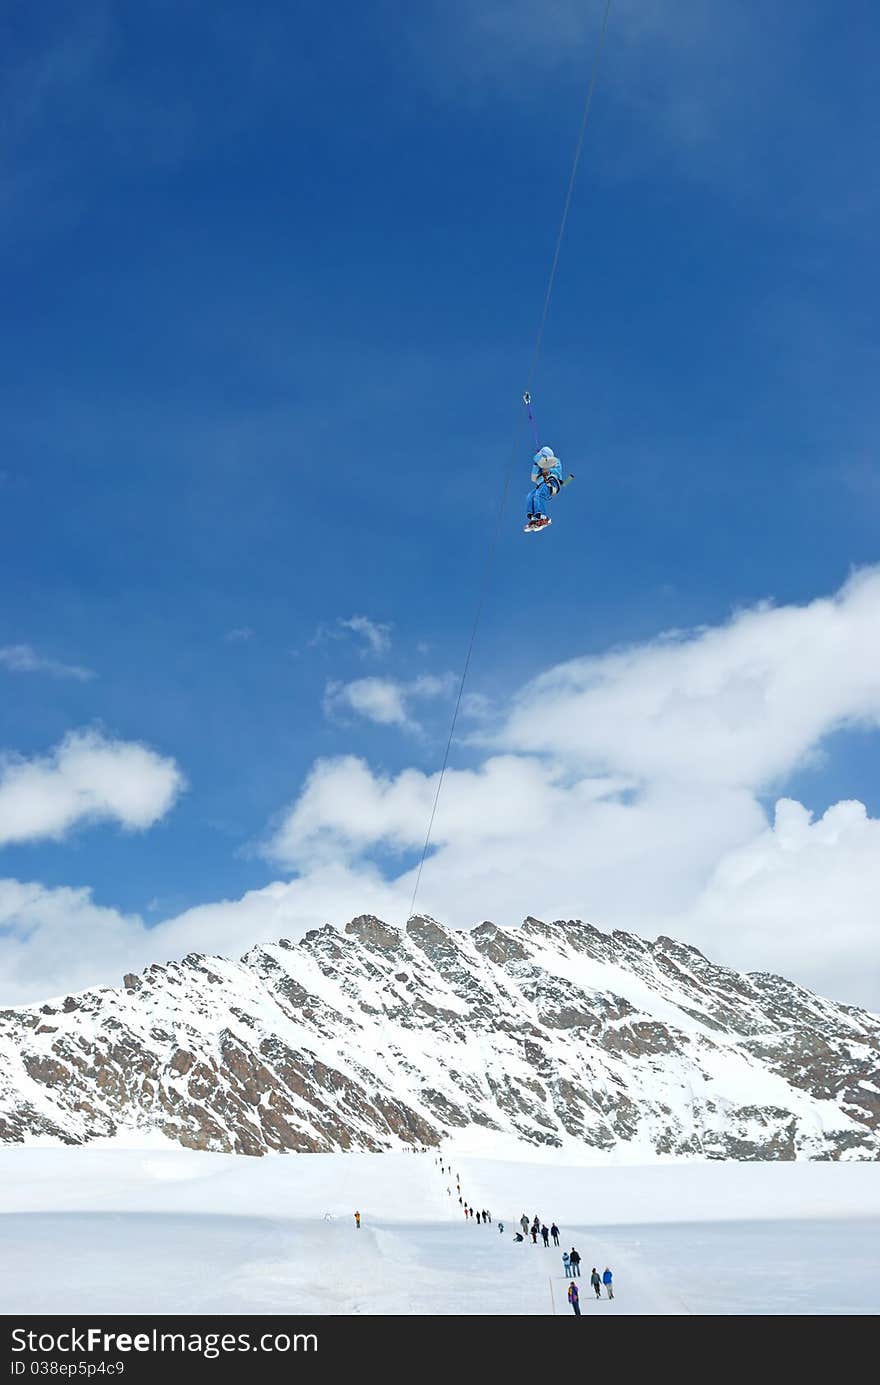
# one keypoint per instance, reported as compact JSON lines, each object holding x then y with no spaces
{"x":177,"y":1232}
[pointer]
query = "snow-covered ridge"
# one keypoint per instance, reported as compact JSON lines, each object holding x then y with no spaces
{"x":376,"y":1038}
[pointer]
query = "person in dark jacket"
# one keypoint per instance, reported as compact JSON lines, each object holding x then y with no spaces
{"x":607,"y":1280}
{"x":575,"y":1263}
{"x":545,"y":1235}
{"x":519,"y":1236}
{"x":574,"y":1298}
{"x":554,"y":1232}
{"x":596,"y":1282}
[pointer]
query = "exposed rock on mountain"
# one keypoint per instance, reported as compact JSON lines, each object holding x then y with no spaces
{"x":377,"y":1037}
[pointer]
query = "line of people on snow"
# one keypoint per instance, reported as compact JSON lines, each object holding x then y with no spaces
{"x":483,"y":1217}
{"x":536,"y":1229}
{"x":571,"y":1260}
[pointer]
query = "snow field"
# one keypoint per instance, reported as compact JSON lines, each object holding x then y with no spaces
{"x":172,"y":1231}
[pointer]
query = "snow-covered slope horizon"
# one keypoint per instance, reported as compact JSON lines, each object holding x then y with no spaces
{"x":553,"y":1036}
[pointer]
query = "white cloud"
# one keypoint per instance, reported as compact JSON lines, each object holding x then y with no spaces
{"x":624,"y":788}
{"x":374,"y":637}
{"x":53,"y":941}
{"x":377,"y":699}
{"x":384,"y":700}
{"x":478,"y":707}
{"x":742,"y":704}
{"x":432,"y":685}
{"x":521,"y":830}
{"x":627,"y":790}
{"x":23,"y":658}
{"x":344,"y":809}
{"x":86,"y":778}
{"x":804,"y":890}
{"x":589,"y":855}
{"x":240,"y":635}
{"x":57,"y":940}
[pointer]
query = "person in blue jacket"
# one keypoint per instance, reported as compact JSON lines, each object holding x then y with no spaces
{"x":546,"y":482}
{"x":566,"y":1260}
{"x":607,"y":1281}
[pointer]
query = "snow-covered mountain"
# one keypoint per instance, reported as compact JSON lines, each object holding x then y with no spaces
{"x":375,"y":1038}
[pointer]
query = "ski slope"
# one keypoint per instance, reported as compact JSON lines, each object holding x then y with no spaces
{"x":171,"y":1231}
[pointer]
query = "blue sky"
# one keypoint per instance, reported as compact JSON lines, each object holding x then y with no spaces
{"x":270,"y":283}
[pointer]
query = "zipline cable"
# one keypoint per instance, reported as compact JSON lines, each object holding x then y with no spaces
{"x":533,"y":368}
{"x":579,"y":149}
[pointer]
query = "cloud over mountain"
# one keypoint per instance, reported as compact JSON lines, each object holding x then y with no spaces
{"x":628,"y":789}
{"x":87,"y":777}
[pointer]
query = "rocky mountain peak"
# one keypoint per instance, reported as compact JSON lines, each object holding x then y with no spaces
{"x":372,"y":1037}
{"x":373,"y":931}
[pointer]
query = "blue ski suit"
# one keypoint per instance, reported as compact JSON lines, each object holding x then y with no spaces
{"x":546,"y":481}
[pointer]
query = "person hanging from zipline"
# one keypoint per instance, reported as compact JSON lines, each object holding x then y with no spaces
{"x":547,"y":480}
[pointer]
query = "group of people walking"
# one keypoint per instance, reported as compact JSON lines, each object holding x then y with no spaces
{"x":483,"y":1217}
{"x":537,"y":1228}
{"x":596,"y":1280}
{"x":571,"y":1259}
